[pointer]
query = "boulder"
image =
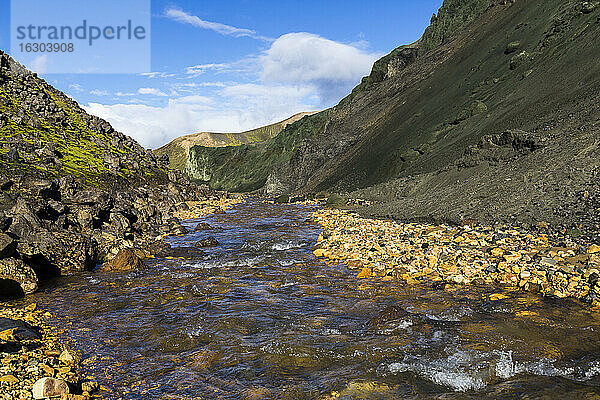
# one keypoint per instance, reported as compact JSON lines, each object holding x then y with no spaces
{"x":5,"y":222}
{"x":22,"y":210}
{"x":68,"y":251}
{"x":14,"y":272}
{"x":22,"y":329}
{"x":207,"y":242}
{"x":70,"y":357}
{"x":125,"y":260}
{"x":49,"y":387}
{"x":203,"y":226}
{"x":44,"y":189}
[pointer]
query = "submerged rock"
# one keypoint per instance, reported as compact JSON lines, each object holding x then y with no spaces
{"x":203,"y":226}
{"x":207,"y":242}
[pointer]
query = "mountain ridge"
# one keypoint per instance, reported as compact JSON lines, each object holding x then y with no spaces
{"x":177,"y":150}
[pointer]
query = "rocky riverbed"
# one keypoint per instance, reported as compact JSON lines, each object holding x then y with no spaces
{"x":31,"y":348}
{"x":411,"y":253}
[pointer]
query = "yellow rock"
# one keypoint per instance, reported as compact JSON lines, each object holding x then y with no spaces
{"x":593,"y":249}
{"x":498,"y":296}
{"x":7,"y":334}
{"x":10,"y":379}
{"x":525,"y":314}
{"x":497,"y":252}
{"x":512,"y":257}
{"x":319,"y":253}
{"x":365,"y":273}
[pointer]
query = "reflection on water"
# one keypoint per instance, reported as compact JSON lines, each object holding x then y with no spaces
{"x":259,"y":317}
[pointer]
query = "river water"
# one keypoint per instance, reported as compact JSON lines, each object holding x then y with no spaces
{"x":259,"y":317}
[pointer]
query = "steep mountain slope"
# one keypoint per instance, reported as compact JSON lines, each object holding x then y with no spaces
{"x":178,"y":149}
{"x":492,"y":115}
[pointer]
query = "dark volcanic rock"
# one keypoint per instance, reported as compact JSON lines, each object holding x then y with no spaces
{"x":13,"y":270}
{"x":203,"y":226}
{"x":7,"y":246}
{"x":24,"y":331}
{"x":67,"y":251}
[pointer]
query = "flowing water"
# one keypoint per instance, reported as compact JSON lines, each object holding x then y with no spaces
{"x":259,"y":317}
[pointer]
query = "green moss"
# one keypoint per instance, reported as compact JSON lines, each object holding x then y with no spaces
{"x":82,"y":148}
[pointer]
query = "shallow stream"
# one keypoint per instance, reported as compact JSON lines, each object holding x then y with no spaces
{"x":259,"y":317}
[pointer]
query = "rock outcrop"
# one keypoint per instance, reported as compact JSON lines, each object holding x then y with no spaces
{"x":73,"y":191}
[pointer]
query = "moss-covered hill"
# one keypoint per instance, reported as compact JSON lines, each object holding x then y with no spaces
{"x":45,"y":133}
{"x":246,"y":167}
{"x":178,"y":149}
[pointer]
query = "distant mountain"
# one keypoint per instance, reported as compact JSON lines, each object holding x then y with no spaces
{"x":492,"y":115}
{"x":177,"y":150}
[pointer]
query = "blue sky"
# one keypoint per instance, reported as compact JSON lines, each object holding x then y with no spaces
{"x":235,"y":65}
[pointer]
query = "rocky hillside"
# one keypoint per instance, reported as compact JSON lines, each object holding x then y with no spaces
{"x":492,"y":116}
{"x":73,"y":191}
{"x":178,"y":149}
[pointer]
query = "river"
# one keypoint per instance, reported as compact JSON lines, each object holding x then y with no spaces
{"x":258,"y":316}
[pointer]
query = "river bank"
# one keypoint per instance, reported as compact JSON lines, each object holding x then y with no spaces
{"x":256,"y":315}
{"x":413,"y":253}
{"x":31,"y":350}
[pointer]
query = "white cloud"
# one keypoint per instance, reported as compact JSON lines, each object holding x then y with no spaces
{"x":228,"y":30}
{"x":98,"y":92}
{"x":152,"y":91}
{"x":153,"y":75}
{"x":333,"y":68}
{"x":299,"y":72}
{"x":77,"y":88}
{"x":240,"y":108}
{"x":39,"y":64}
{"x":243,"y":66}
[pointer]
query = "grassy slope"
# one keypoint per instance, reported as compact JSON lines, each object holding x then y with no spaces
{"x":246,"y":167}
{"x":178,"y":149}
